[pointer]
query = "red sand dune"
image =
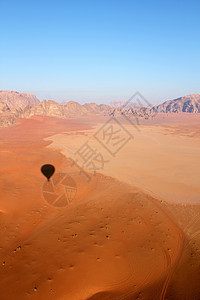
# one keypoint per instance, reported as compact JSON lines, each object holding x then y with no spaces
{"x":114,"y":241}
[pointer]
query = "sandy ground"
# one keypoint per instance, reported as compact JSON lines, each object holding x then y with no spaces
{"x":130,"y":231}
{"x":162,"y":159}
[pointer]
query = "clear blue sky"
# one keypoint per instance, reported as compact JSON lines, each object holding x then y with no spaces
{"x":100,"y":50}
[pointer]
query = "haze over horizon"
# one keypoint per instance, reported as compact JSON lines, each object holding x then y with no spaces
{"x":98,"y":51}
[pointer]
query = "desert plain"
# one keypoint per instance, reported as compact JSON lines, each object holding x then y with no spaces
{"x":131,"y":229}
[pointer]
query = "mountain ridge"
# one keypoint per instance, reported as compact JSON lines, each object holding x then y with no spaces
{"x":189,"y":103}
{"x":15,"y":105}
{"x":16,"y":100}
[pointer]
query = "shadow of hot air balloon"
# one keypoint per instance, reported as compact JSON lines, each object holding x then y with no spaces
{"x":48,"y":171}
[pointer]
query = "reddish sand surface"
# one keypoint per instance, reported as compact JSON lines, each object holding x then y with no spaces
{"x":122,"y":236}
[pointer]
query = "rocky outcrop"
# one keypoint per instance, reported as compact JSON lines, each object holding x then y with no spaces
{"x":129,"y":113}
{"x":12,"y":105}
{"x":44,"y":108}
{"x":16,"y":101}
{"x":4,"y":108}
{"x":69,"y":110}
{"x":189,"y":104}
{"x":91,"y":107}
{"x":7,"y":119}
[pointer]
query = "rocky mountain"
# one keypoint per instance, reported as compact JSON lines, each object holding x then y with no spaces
{"x":187,"y":104}
{"x":16,"y":101}
{"x":190,"y":104}
{"x":44,"y":108}
{"x":7,"y":120}
{"x":69,"y":110}
{"x":129,"y":113}
{"x":4,"y":108}
{"x":14,"y":105}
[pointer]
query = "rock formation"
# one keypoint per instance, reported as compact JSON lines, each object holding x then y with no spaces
{"x":190,"y":104}
{"x":15,"y":105}
{"x":15,"y":100}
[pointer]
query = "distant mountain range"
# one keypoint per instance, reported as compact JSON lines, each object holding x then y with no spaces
{"x":15,"y":105}
{"x":69,"y":110}
{"x":189,"y":104}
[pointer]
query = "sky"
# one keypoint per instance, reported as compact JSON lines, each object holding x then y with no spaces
{"x":100,"y":50}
